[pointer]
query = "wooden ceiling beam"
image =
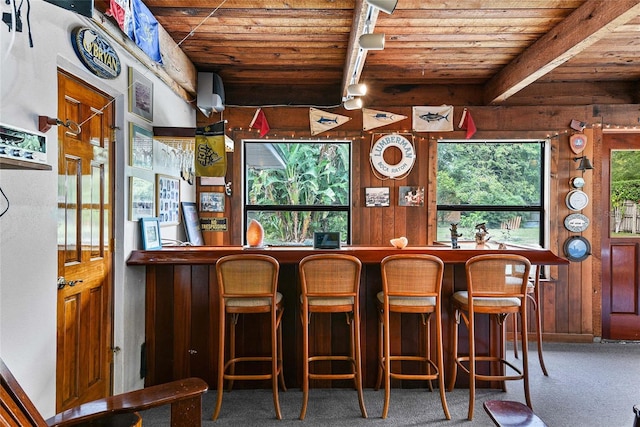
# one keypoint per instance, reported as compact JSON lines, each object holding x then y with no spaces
{"x":588,"y":24}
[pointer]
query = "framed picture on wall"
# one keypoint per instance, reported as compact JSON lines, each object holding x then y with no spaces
{"x":168,"y":199}
{"x":140,"y":146}
{"x":150,"y":233}
{"x":212,"y":202}
{"x":141,"y":198}
{"x":376,"y":196}
{"x":191,"y":221}
{"x":411,"y":196}
{"x":140,"y":95}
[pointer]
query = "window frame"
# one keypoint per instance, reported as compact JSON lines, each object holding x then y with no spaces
{"x":542,"y":208}
{"x":247,"y":208}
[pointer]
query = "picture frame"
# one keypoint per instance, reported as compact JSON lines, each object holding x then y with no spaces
{"x":168,"y":199}
{"x":211,"y":202}
{"x":376,"y":197}
{"x":150,"y":233}
{"x":191,"y":221}
{"x":21,"y":144}
{"x":411,"y":196}
{"x":140,"y":95}
{"x":140,"y":146}
{"x":141,"y":198}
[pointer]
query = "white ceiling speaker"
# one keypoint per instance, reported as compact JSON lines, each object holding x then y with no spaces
{"x":210,"y":93}
{"x":357,"y":89}
{"x":387,"y":6}
{"x":373,"y":41}
{"x":352,"y":104}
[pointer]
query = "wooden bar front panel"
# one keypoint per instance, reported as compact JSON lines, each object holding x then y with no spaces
{"x":182,"y":312}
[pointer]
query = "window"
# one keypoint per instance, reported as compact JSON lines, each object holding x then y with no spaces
{"x":295,"y":188}
{"x":499,"y":183}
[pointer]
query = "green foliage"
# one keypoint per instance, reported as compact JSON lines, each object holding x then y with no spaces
{"x":315,"y":175}
{"x":490,"y":174}
{"x":622,"y":191}
{"x":625,"y":177}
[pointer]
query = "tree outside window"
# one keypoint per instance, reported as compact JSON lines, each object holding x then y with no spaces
{"x":295,"y":188}
{"x":498,"y":183}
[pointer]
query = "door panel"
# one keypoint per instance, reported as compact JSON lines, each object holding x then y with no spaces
{"x":84,"y":330}
{"x":621,"y":237}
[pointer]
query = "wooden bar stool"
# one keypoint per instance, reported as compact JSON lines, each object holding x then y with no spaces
{"x":330,"y":283}
{"x":411,"y":284}
{"x":496,"y":285}
{"x":533,"y":293}
{"x":247,"y":284}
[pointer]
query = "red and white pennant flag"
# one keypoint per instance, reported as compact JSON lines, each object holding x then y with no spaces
{"x":260,"y":122}
{"x":467,"y":123}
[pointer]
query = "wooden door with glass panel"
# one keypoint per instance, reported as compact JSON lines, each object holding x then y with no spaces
{"x":84,"y":324}
{"x":621,"y":236}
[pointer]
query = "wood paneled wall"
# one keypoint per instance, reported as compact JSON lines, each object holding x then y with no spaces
{"x":570,"y":297}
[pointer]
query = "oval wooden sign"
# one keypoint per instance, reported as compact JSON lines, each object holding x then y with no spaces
{"x":96,"y":53}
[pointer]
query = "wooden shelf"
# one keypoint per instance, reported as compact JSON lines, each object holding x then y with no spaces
{"x":7,"y":163}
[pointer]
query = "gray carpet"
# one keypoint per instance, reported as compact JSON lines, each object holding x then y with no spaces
{"x":588,"y":385}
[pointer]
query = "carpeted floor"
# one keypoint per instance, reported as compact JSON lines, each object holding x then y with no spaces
{"x":593,"y":384}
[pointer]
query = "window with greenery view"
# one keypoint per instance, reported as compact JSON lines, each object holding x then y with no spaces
{"x":295,"y":188}
{"x":625,"y":193}
{"x":498,"y":183}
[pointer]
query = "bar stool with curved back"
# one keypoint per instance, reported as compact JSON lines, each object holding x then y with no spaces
{"x":247,"y":284}
{"x":411,"y":284}
{"x":496,"y":285}
{"x":330,"y":283}
{"x":533,"y":293}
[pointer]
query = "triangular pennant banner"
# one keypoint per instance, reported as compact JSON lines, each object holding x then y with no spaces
{"x":260,"y":122}
{"x":321,"y":121}
{"x":210,"y":154}
{"x":372,"y":119}
{"x":467,"y":123}
{"x":433,"y":119}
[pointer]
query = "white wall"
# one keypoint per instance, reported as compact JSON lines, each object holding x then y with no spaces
{"x":28,"y":240}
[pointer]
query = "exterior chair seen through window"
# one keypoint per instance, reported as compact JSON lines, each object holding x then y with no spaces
{"x":497,"y":286}
{"x":247,"y":284}
{"x":330,"y":283}
{"x":411,"y":284}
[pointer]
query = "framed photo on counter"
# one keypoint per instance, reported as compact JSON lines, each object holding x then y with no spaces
{"x":191,"y":221}
{"x":150,"y":233}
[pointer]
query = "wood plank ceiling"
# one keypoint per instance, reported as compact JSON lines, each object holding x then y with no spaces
{"x":302,"y":52}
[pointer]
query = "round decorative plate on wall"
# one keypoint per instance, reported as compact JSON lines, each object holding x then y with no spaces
{"x":577,"y":248}
{"x":576,"y":182}
{"x":576,"y":222}
{"x":577,"y":200}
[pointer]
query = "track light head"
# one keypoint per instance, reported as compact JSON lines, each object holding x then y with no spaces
{"x":357,"y":89}
{"x":387,"y":6}
{"x":352,"y":104}
{"x":374,"y":41}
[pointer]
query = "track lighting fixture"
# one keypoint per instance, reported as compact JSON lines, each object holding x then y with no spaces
{"x":387,"y":6}
{"x":357,"y":89}
{"x":373,"y":41}
{"x":352,"y":104}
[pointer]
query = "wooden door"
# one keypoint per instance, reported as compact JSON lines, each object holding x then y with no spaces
{"x":85,"y":191}
{"x":620,"y":239}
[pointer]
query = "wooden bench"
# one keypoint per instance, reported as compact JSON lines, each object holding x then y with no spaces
{"x":507,"y":413}
{"x":184,"y":396}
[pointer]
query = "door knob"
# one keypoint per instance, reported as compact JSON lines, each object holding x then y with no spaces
{"x":62,"y":282}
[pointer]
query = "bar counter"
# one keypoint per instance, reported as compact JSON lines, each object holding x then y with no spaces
{"x":181,"y":309}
